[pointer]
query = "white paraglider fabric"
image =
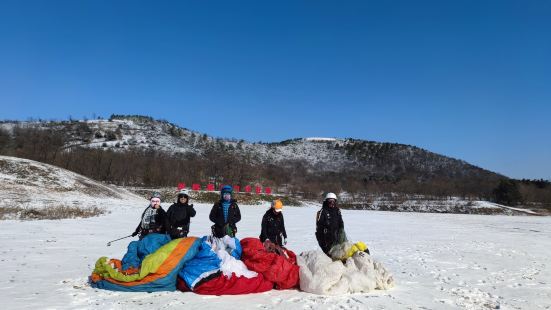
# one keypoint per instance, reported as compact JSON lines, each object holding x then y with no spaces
{"x":228,"y":265}
{"x":319,"y":274}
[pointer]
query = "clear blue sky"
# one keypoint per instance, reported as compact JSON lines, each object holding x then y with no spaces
{"x":467,"y":79}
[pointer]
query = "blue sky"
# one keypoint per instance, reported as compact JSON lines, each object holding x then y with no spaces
{"x":467,"y":79}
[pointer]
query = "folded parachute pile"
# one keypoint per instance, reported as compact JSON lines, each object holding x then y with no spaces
{"x":226,"y":266}
{"x":352,"y":270}
{"x":217,"y":270}
{"x":277,"y":264}
{"x":151,"y":264}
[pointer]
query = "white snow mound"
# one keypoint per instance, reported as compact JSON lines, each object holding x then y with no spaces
{"x":31,"y":184}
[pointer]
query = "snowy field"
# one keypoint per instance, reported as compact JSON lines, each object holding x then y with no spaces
{"x":439,"y":261}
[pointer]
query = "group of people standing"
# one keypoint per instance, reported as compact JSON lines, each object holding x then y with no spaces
{"x":174,"y":222}
{"x":225,"y":214}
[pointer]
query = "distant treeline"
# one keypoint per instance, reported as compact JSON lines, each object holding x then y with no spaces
{"x":152,"y":168}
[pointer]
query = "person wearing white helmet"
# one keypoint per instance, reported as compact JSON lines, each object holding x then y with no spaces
{"x":153,"y":220}
{"x":179,"y":216}
{"x":329,"y":223}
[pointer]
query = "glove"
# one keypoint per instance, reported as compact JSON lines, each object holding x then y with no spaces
{"x":229,"y":231}
{"x":134,"y":234}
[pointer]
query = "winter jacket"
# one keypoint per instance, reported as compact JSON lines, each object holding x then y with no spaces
{"x":160,"y":224}
{"x":273,"y":227}
{"x":220,"y":227}
{"x":329,"y":226}
{"x":178,"y":219}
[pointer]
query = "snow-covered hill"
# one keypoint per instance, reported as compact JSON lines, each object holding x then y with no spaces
{"x":318,"y":153}
{"x":28,"y":184}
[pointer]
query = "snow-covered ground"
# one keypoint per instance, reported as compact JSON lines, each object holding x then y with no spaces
{"x":439,"y":261}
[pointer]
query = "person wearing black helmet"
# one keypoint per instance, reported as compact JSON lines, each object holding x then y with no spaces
{"x":329,"y":224}
{"x":225,"y":214}
{"x":179,"y":215}
{"x":153,"y":218}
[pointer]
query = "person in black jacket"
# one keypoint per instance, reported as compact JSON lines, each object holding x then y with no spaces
{"x":273,"y":226}
{"x":179,"y":215}
{"x":225,"y":214}
{"x":154,"y":219}
{"x":329,"y":224}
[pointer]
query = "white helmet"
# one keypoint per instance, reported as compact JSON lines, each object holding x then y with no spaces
{"x":330,"y":196}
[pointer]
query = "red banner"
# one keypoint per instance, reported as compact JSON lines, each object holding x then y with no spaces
{"x":236,"y":188}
